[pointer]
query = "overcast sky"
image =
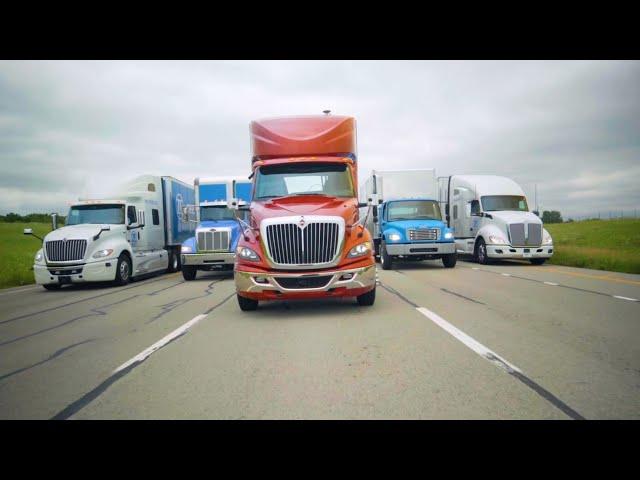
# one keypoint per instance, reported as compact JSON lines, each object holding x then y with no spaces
{"x":72,"y":128}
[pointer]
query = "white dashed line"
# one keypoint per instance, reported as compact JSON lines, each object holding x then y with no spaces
{"x":551,"y":283}
{"x":469,"y":342}
{"x":625,"y":298}
{"x":505,"y":274}
{"x":475,"y":268}
{"x":161,"y":343}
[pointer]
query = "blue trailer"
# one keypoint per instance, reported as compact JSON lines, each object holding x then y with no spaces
{"x":217,"y":231}
{"x":407,"y":223}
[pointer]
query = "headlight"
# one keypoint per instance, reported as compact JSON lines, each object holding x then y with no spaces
{"x":448,"y":235}
{"x":39,"y":257}
{"x":247,"y":254}
{"x":497,"y":239}
{"x":186,"y":249}
{"x":394,"y":237}
{"x":103,"y":253}
{"x":360,"y":250}
{"x":546,"y":238}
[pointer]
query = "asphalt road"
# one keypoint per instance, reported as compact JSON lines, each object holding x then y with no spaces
{"x":507,"y":341}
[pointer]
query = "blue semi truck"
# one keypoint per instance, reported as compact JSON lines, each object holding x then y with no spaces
{"x":217,"y":231}
{"x":407,"y":223}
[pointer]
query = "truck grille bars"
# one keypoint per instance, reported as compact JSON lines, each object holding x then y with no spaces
{"x":517,"y":234}
{"x":65,"y":250}
{"x":216,"y":240}
{"x":304,"y":242}
{"x":424,"y":234}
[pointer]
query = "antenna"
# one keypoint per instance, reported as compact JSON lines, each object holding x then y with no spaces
{"x":326,"y":112}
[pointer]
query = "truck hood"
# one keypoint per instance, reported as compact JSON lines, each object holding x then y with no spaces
{"x":78,"y":232}
{"x":346,"y":208}
{"x":515,"y":217}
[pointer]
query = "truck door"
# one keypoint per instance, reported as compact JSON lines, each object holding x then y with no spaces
{"x":134,"y":235}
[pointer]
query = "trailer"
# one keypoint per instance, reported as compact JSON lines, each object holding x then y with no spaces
{"x":137,"y":231}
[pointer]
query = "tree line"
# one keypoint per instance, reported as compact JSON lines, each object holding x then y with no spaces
{"x":31,"y":217}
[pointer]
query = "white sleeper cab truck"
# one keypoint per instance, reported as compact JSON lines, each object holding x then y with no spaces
{"x":134,"y":232}
{"x":490,"y":218}
{"x":213,"y":247}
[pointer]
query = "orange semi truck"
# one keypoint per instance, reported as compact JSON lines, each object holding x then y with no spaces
{"x":304,"y":238}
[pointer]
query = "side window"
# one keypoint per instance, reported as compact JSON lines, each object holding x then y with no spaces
{"x":156,"y":216}
{"x":131,"y":214}
{"x":455,"y":212}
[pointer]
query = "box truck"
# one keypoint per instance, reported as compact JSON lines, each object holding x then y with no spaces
{"x":137,"y":231}
{"x":490,"y":218}
{"x":407,"y":223}
{"x":305,"y":237}
{"x":217,"y":228}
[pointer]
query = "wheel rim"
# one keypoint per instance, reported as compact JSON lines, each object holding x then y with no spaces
{"x":175,"y":263}
{"x":481,"y":252}
{"x":124,"y":270}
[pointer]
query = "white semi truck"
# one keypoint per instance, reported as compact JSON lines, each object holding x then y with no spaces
{"x":490,"y":218}
{"x":137,"y":231}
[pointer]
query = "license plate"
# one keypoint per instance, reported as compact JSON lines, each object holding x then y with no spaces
{"x":527,"y":254}
{"x":64,"y":279}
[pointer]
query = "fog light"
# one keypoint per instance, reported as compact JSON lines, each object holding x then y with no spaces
{"x":346,"y":276}
{"x":261,"y":279}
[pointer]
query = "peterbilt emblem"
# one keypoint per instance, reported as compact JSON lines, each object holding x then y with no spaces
{"x":212,"y":229}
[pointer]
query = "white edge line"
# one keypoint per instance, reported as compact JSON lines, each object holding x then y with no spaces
{"x":551,"y":283}
{"x":161,"y":343}
{"x":26,"y":288}
{"x":625,"y":298}
{"x":469,"y":342}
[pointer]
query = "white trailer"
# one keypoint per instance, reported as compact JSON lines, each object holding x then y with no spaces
{"x":490,"y":219}
{"x":138,"y":230}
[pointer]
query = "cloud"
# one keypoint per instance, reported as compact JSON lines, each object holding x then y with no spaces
{"x":69,"y":128}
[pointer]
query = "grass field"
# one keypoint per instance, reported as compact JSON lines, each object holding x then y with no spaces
{"x":599,"y":244}
{"x":17,"y":251}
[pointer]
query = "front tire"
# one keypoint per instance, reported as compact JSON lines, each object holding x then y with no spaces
{"x":538,"y":261}
{"x":247,"y":304}
{"x":52,"y":286}
{"x":123,"y":270}
{"x":367,"y":299}
{"x":449,"y":261}
{"x":174,"y":261}
{"x":481,"y":253}
{"x":189,"y":272}
{"x":385,"y":259}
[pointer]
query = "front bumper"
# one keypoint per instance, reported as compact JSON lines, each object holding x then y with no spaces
{"x":102,"y":271}
{"x":507,"y":251}
{"x":363,"y":280}
{"x":208,"y":259}
{"x":411,"y":249}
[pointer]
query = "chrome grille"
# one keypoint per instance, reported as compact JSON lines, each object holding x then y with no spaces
{"x":210,"y":241}
{"x":290,"y":244}
{"x":65,"y":250}
{"x":424,"y":234}
{"x":517,"y":234}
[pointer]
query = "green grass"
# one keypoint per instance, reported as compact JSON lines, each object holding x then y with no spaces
{"x":17,"y":251}
{"x":599,"y":244}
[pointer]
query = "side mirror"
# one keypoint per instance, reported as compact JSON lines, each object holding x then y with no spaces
{"x":54,"y":221}
{"x":362,"y":204}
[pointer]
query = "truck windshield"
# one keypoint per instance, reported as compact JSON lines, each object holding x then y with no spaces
{"x":494,"y":203}
{"x":414,"y":210}
{"x":331,"y":179}
{"x":216,"y":213}
{"x":109,"y":214}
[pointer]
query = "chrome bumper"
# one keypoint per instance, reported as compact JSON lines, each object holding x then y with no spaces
{"x":507,"y":251}
{"x":427,"y":248}
{"x":362,"y":277}
{"x":219,"y":258}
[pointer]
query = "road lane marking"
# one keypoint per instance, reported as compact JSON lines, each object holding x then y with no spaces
{"x":469,"y":342}
{"x":125,"y":368}
{"x":625,"y":298}
{"x":505,"y":274}
{"x":491,"y":356}
{"x":19,"y":289}
{"x":142,"y":356}
{"x":606,"y":278}
{"x":551,"y":283}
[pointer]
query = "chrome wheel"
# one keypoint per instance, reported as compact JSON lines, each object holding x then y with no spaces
{"x":124,"y":271}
